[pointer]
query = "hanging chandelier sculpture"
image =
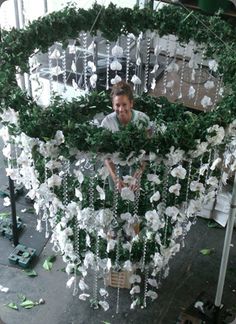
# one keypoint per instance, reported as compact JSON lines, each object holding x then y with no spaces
{"x":128,"y":236}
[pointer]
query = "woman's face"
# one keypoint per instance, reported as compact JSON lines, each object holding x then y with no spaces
{"x":123,"y":106}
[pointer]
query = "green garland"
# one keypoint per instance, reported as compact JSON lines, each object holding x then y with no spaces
{"x":73,"y":118}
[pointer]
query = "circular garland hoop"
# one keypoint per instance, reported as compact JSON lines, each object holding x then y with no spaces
{"x":95,"y":227}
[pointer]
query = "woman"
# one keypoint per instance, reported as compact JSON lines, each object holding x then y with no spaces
{"x":122,"y":103}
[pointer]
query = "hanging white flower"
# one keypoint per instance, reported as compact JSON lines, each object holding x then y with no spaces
{"x":201,"y":148}
{"x":203,"y":168}
{"x":79,"y":175}
{"x":177,"y":232}
{"x":4,"y":133}
{"x":70,"y":282}
{"x":172,"y":67}
{"x":213,"y":65}
{"x":103,"y":292}
{"x":172,"y":212}
{"x":134,"y":279}
{"x":56,"y":54}
{"x":70,"y":268}
{"x":54,"y":181}
{"x":116,"y":79}
{"x":116,"y":65}
{"x":56,"y":70}
{"x":212,"y":181}
{"x":104,"y":305}
{"x":152,"y":294}
{"x":153,"y":178}
{"x":191,"y":92}
{"x":126,"y":217}
{"x":134,"y":303}
{"x":158,"y":260}
{"x":83,"y":285}
{"x":193,"y":207}
{"x":153,"y":282}
{"x":215,"y":163}
{"x":170,"y":84}
{"x":192,"y":64}
{"x":91,"y":47}
{"x":73,"y":66}
{"x":197,"y":186}
{"x":9,"y":116}
{"x":155,"y":68}
{"x":13,"y":174}
{"x":117,"y":51}
{"x":175,"y":156}
{"x":129,"y":180}
{"x":74,"y":84}
{"x":84,"y":296}
{"x":179,"y":172}
{"x":101,"y":192}
{"x":138,"y":61}
{"x":209,"y":85}
{"x":111,"y":245}
{"x":128,"y":265}
{"x":175,"y":189}
{"x":206,"y":102}
{"x":153,"y":83}
{"x":59,"y":137}
{"x":135,"y":79}
{"x":155,"y":197}
{"x":39,"y":226}
{"x":93,"y":80}
{"x":92,"y":66}
{"x":127,"y":194}
{"x":219,"y":134}
{"x":135,"y":290}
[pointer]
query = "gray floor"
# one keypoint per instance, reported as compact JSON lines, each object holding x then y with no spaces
{"x":190,"y":274}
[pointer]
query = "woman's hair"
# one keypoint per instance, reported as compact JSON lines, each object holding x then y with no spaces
{"x":122,"y":88}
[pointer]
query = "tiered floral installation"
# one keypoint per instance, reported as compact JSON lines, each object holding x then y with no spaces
{"x":57,"y":152}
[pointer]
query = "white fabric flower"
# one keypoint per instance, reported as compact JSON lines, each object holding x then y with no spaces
{"x":213,"y":65}
{"x":134,"y":303}
{"x":129,"y":180}
{"x":218,"y":134}
{"x":73,"y":66}
{"x":78,"y":194}
{"x":127,"y":194}
{"x":59,"y":137}
{"x":70,"y":282}
{"x":212,"y":181}
{"x":79,"y":176}
{"x":215,"y":163}
{"x":128,"y":265}
{"x":175,"y":189}
{"x":6,"y":202}
{"x":83,"y":285}
{"x":84,"y":296}
{"x":93,"y":80}
{"x":191,"y":92}
{"x":134,"y":279}
{"x":9,"y":116}
{"x":153,"y":282}
{"x":175,"y":156}
{"x":179,"y":172}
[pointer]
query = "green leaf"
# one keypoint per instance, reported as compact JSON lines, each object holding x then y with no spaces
{"x":27,"y":304}
{"x":47,"y":265}
{"x":12,"y":306}
{"x":5,"y":215}
{"x":51,"y":258}
{"x":30,"y":272}
{"x":21,"y":297}
{"x":212,"y":224}
{"x":207,"y":251}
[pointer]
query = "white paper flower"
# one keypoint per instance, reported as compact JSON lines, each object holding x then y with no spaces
{"x":203,"y":168}
{"x":103,"y":292}
{"x":127,"y":194}
{"x":155,"y":197}
{"x":116,"y":66}
{"x":79,"y":175}
{"x":153,"y":282}
{"x":101,"y":192}
{"x":206,"y":102}
{"x":175,"y":189}
{"x":116,"y":79}
{"x":215,"y":163}
{"x":175,"y":156}
{"x":135,"y":79}
{"x":111,"y":245}
{"x":6,"y":202}
{"x":83,"y":285}
{"x":117,"y":51}
{"x":78,"y":194}
{"x":179,"y":172}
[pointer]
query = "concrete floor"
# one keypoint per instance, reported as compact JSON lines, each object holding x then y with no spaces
{"x":190,"y":274}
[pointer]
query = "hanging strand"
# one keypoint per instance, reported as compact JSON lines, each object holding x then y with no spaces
{"x":128,"y":41}
{"x":146,"y":71}
{"x":107,"y":64}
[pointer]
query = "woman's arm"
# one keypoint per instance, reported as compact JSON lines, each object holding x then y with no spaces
{"x":112,"y":170}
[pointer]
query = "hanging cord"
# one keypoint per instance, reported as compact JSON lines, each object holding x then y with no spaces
{"x":94,"y":22}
